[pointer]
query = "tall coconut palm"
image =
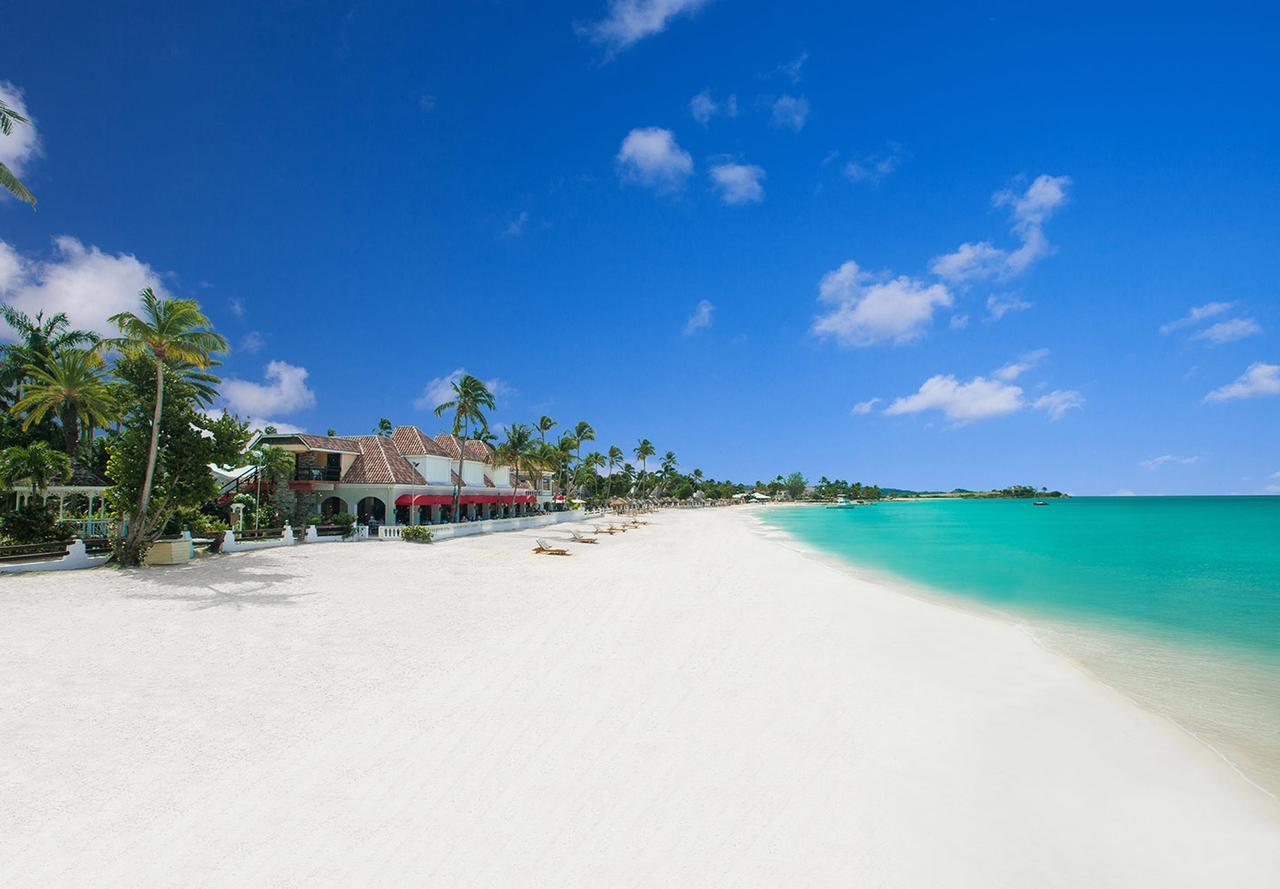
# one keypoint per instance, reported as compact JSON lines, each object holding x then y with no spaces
{"x":38,"y":464}
{"x":566,"y":445}
{"x":592,"y":462}
{"x":471,"y":398}
{"x":73,"y":387}
{"x":583,"y":432}
{"x":37,"y":341}
{"x":517,"y":449}
{"x":8,"y":117}
{"x":615,"y":459}
{"x":384,"y":428}
{"x":170,"y":333}
{"x":545,"y":425}
{"x":644,"y":450}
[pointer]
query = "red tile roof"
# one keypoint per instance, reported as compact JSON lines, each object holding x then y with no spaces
{"x":380,"y":463}
{"x":476,"y":450}
{"x":412,"y":440}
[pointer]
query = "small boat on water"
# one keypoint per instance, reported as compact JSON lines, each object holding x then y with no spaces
{"x":1041,"y":503}
{"x":842,"y":502}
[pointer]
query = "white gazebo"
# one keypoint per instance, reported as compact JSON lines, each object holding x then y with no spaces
{"x":84,"y":482}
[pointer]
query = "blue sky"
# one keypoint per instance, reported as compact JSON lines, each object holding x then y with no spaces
{"x":910,"y":244}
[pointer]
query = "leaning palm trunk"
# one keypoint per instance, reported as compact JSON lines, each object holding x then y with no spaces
{"x":138,"y":527}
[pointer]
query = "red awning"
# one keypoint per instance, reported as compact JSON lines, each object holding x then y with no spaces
{"x":424,"y":500}
{"x":447,"y":499}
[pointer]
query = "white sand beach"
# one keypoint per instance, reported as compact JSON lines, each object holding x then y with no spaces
{"x":689,"y":704}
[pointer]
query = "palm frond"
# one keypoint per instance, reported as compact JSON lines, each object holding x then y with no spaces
{"x":15,"y":187}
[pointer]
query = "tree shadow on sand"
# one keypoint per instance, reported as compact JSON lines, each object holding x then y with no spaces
{"x":217,"y":585}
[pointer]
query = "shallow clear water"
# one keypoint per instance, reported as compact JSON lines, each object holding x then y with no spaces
{"x":1174,"y":600}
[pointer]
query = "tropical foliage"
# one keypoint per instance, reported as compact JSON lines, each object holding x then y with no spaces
{"x":471,"y":398}
{"x":8,"y":117}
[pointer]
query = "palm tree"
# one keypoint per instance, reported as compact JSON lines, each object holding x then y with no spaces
{"x":38,"y":339}
{"x":583,"y":432}
{"x":173,"y":333}
{"x":36,"y":463}
{"x":643,"y":451}
{"x":471,"y":397}
{"x":73,"y":387}
{"x":384,"y":428}
{"x":8,"y":117}
{"x":615,"y":457}
{"x":593,"y":461}
{"x":518,"y":448}
{"x":545,"y":425}
{"x":566,"y":445}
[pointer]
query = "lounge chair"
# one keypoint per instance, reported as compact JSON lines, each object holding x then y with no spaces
{"x":600,"y":530}
{"x":547,"y":549}
{"x":581,"y":538}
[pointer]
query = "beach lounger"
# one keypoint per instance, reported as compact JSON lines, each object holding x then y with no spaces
{"x":600,"y":530}
{"x":547,"y":549}
{"x":582,"y":538}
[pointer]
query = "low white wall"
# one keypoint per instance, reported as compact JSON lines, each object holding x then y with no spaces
{"x":313,"y":536}
{"x":519,"y":523}
{"x":75,"y":559}
{"x":231,"y":545}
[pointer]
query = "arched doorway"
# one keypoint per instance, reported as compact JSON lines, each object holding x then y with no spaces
{"x":332,"y":505}
{"x":371,"y":508}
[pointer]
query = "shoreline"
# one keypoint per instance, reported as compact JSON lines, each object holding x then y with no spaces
{"x":687,"y":703}
{"x":1046,"y":632}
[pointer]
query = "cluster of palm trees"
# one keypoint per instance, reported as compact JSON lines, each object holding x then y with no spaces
{"x":62,"y":387}
{"x":527,"y":449}
{"x":55,"y":384}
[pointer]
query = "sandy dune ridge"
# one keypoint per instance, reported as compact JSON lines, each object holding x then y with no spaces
{"x":687,"y":704}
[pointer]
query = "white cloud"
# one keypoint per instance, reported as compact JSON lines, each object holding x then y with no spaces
{"x":700,"y":318}
{"x":1259,"y":380}
{"x":702,"y":107}
{"x":650,"y":157}
{"x":1058,"y":402}
{"x":1025,"y":362}
{"x":865,"y":407}
{"x":84,"y":282}
{"x":23,"y":143}
{"x":284,"y":392}
{"x":1229,"y":331}
{"x":739,"y":183}
{"x":1156,"y":462}
{"x":1001,"y":304}
{"x":252,"y":342}
{"x":438,"y":390}
{"x":1196,"y":315}
{"x":236,"y":305}
{"x":959,"y":322}
{"x":1029,"y":210}
{"x":874,"y":169}
{"x":790,"y":112}
{"x":630,"y":21}
{"x":868,"y":310}
{"x":981,"y":397}
{"x":969,"y":262}
{"x":517,"y":225}
{"x":792,"y":70}
{"x":978,"y":399}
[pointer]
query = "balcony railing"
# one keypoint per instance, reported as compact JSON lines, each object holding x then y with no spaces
{"x":316,"y":474}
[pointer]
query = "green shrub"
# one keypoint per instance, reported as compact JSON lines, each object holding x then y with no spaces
{"x":345,"y":519}
{"x":416,"y":534}
{"x":34,"y":523}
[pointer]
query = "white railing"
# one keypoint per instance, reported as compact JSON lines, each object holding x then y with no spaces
{"x":91,"y":528}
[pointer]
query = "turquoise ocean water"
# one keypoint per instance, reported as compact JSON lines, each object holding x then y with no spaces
{"x":1175,"y":601}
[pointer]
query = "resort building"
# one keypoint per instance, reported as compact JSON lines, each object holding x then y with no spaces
{"x":406,"y":478}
